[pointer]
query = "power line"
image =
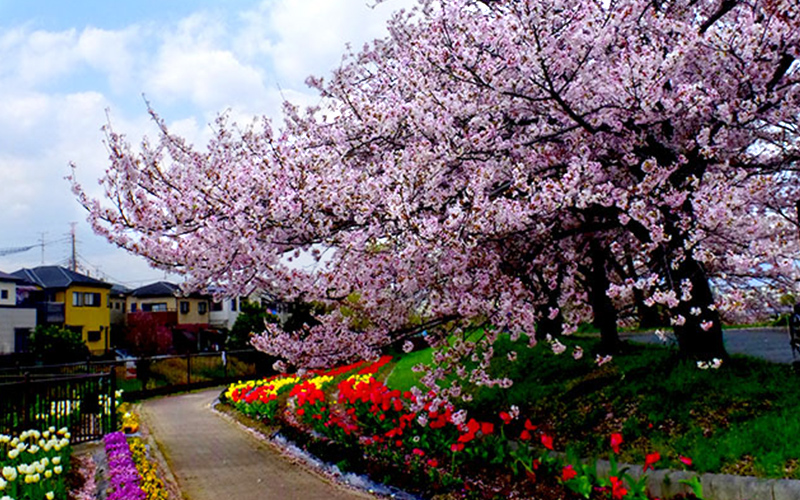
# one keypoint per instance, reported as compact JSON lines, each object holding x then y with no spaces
{"x":13,"y":250}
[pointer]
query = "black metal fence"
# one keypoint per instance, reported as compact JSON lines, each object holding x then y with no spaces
{"x":141,"y":377}
{"x":83,"y":403}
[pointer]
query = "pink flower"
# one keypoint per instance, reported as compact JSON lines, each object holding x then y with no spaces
{"x":685,"y":460}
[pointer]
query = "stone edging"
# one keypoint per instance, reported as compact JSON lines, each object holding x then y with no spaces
{"x":665,"y":483}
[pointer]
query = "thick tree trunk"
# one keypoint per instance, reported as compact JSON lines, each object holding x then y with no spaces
{"x":605,"y":314}
{"x":700,"y":334}
{"x":648,"y":315}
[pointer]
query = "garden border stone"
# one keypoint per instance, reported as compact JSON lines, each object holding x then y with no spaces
{"x":666,"y":483}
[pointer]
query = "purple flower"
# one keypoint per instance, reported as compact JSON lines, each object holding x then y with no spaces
{"x":123,"y":477}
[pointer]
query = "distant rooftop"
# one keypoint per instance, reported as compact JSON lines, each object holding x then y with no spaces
{"x":120,"y":290}
{"x":162,"y":289}
{"x":57,"y":277}
{"x":157,"y":289}
{"x":9,"y":277}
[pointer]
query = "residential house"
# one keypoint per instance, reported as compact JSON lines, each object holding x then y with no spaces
{"x":70,"y":299}
{"x":186,"y":315}
{"x":224,"y":312}
{"x":117,"y":298}
{"x":16,"y":320}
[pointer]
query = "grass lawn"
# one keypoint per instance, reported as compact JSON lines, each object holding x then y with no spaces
{"x":743,"y":418}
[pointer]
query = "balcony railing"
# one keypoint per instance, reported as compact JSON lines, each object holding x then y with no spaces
{"x":50,"y":312}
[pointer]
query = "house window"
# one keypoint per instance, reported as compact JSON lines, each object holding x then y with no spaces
{"x":93,"y":336}
{"x":202,"y":307}
{"x":3,"y":294}
{"x":184,"y":307}
{"x":91,"y":299}
{"x":157,"y":307}
{"x":216,"y":306}
{"x":133,"y":307}
{"x":86,"y":299}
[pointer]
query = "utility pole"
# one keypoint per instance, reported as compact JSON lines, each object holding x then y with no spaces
{"x":74,"y":252}
{"x":41,"y":242}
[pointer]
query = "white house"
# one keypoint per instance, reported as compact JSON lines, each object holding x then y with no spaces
{"x":16,"y":320}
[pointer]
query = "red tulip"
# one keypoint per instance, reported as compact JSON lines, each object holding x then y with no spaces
{"x":568,"y":473}
{"x":616,"y":440}
{"x":650,"y":459}
{"x":617,"y":491}
{"x":547,"y":441}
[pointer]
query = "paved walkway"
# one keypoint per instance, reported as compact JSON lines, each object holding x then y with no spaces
{"x":213,"y":458}
{"x":771,"y":344}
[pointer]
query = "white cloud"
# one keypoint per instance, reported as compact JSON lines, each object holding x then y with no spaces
{"x":55,"y":88}
{"x":311,"y":35}
{"x":113,"y":53}
{"x":45,"y":56}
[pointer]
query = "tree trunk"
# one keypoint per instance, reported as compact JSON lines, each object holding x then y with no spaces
{"x":605,"y":314}
{"x":546,"y":326}
{"x":648,"y":315}
{"x":700,"y":335}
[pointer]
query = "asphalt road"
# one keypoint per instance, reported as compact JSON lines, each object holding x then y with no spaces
{"x":771,"y":344}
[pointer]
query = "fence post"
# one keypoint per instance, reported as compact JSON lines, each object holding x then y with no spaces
{"x":188,"y":368}
{"x":113,"y":375}
{"x":26,"y":401}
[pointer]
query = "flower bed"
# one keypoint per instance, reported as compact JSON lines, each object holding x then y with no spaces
{"x":123,"y":477}
{"x":131,"y":472}
{"x":360,"y":423}
{"x":34,"y":464}
{"x":150,"y":483}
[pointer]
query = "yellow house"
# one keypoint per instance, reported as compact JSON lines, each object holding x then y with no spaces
{"x":163,"y":296}
{"x":72,"y":300}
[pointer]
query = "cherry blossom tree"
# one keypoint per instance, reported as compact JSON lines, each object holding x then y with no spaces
{"x":499,"y":164}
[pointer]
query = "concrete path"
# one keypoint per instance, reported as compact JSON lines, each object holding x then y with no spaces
{"x":213,"y":458}
{"x":771,"y":344}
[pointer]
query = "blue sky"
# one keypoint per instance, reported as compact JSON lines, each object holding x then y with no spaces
{"x":65,"y":66}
